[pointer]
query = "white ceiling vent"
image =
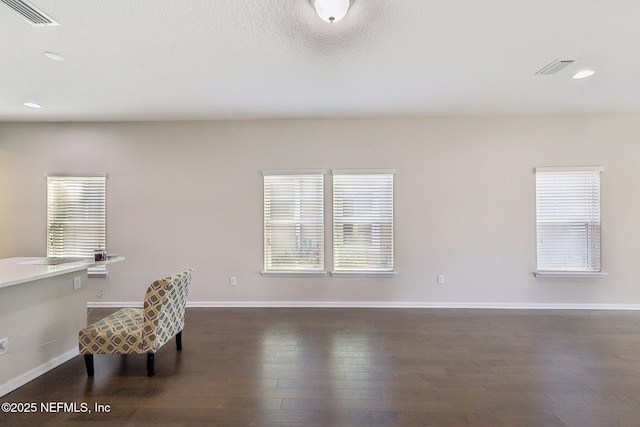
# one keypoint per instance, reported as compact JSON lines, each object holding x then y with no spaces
{"x":30,"y":13}
{"x":555,"y":66}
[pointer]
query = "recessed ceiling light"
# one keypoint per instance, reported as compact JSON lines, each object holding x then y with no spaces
{"x":583,"y":74}
{"x":32,"y":105}
{"x":54,"y":56}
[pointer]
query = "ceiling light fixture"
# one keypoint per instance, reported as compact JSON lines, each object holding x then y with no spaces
{"x":54,"y":56}
{"x":583,"y":74}
{"x":32,"y":105}
{"x":331,"y":10}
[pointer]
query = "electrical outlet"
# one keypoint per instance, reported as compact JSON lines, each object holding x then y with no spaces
{"x":4,"y":345}
{"x":77,"y":282}
{"x":233,"y":281}
{"x":440,"y":279}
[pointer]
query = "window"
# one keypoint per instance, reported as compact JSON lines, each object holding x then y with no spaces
{"x":568,"y":221}
{"x":76,"y":217}
{"x":363,"y":222}
{"x":293,"y":223}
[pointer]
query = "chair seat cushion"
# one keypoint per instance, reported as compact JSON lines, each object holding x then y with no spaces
{"x":118,"y":333}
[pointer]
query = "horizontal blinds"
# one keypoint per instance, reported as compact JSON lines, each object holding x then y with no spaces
{"x":76,"y":215}
{"x":568,"y":219}
{"x":363,"y":222}
{"x":293,"y":222}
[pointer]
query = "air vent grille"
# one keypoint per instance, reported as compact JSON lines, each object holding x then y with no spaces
{"x":30,"y":13}
{"x":555,"y":66}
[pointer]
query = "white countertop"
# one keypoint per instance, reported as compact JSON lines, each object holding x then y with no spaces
{"x":14,"y":271}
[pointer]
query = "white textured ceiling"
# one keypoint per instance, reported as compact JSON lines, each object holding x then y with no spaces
{"x":239,"y":59}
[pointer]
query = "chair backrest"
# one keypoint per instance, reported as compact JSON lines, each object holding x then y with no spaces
{"x":164,"y":305}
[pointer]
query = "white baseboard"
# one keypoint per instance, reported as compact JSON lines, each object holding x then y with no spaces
{"x":22,"y":379}
{"x":114,"y":304}
{"x":384,"y":304}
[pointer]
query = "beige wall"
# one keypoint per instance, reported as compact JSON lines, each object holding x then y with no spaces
{"x":190,"y":194}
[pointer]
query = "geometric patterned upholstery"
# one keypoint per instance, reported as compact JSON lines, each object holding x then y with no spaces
{"x":135,"y":330}
{"x":118,"y":333}
{"x":163,"y":311}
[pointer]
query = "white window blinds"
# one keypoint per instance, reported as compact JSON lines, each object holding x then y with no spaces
{"x":293,"y":222}
{"x":568,"y":219}
{"x":76,"y":215}
{"x":362,"y":221}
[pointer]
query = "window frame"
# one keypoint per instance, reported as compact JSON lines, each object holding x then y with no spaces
{"x":95,"y":217}
{"x":587,"y":210}
{"x":385,"y":220}
{"x":284,"y":269}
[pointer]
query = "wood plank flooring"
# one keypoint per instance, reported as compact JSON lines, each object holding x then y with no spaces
{"x":358,"y":367}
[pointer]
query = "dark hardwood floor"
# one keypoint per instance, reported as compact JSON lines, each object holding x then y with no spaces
{"x":349,"y":367}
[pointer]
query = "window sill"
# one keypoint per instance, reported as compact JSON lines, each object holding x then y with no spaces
{"x":364,"y":273}
{"x":293,"y":273}
{"x":570,"y":274}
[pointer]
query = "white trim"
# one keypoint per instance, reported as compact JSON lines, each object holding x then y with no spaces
{"x":570,"y":169}
{"x":293,"y":213}
{"x":295,"y":172}
{"x":34,"y":373}
{"x":385,"y":304}
{"x":570,"y":274}
{"x":114,"y":304}
{"x":302,"y":273}
{"x":364,"y":274}
{"x":362,"y":171}
{"x":77,"y":175}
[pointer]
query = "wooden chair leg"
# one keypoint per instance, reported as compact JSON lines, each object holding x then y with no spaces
{"x":179,"y":341}
{"x":88,"y":361}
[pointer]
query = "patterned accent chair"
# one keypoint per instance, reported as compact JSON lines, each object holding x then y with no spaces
{"x":141,"y":330}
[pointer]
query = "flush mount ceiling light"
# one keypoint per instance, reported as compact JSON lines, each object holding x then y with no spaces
{"x":32,"y":105}
{"x":583,"y":74}
{"x":54,"y":56}
{"x":331,"y":10}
